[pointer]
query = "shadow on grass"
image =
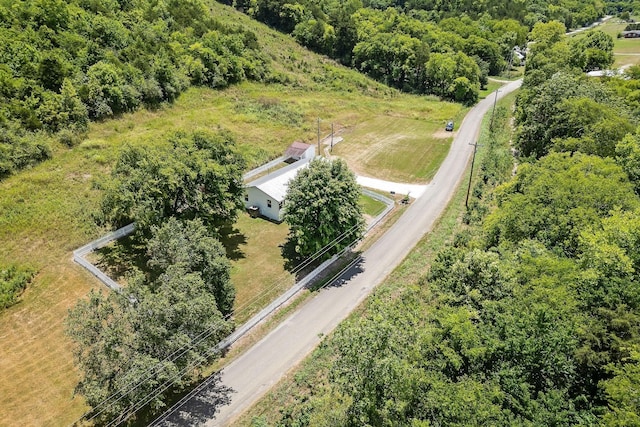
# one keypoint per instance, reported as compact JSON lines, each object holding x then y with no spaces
{"x":232,"y":240}
{"x":122,"y":256}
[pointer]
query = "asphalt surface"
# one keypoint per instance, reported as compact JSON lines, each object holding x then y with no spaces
{"x":253,"y":373}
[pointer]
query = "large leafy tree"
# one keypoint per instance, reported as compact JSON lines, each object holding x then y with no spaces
{"x":194,"y":176}
{"x":190,"y":245}
{"x":160,"y":329}
{"x":570,"y":113}
{"x":555,"y":199}
{"x":322,"y":207}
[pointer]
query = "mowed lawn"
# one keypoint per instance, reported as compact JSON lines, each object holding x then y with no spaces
{"x":397,"y":148}
{"x":48,"y":211}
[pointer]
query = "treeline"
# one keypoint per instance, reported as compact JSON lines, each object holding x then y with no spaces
{"x":441,"y":48}
{"x":531,"y":316}
{"x":622,"y":8}
{"x":63,"y":63}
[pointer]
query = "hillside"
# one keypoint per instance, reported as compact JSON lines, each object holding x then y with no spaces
{"x":48,"y":209}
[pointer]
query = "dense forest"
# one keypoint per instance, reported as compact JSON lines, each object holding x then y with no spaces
{"x":422,"y":46}
{"x":530,"y":316}
{"x":63,"y":63}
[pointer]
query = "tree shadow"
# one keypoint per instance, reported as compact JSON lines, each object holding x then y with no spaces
{"x":199,"y":406}
{"x":338,"y":273}
{"x":122,"y":256}
{"x":296,"y":264}
{"x":232,"y":239}
{"x":352,"y":270}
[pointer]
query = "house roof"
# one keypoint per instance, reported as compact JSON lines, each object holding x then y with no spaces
{"x":276,"y":184}
{"x":296,"y":149}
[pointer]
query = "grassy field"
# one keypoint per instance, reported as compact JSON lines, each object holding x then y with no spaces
{"x":397,"y":148}
{"x":47,"y":211}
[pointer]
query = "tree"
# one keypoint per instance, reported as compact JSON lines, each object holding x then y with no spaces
{"x":192,"y":247}
{"x":628,"y":156}
{"x":321,"y":208}
{"x":622,"y":392}
{"x":193,"y":176}
{"x":553,"y":200}
{"x":129,"y":346}
{"x":569,"y":106}
{"x":593,"y":52}
{"x":444,"y":72}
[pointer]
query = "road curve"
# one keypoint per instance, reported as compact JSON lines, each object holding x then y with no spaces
{"x":253,"y":373}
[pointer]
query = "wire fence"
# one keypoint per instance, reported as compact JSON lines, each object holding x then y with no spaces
{"x":80,"y":253}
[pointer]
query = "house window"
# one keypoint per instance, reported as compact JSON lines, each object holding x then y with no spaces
{"x":246,"y":197}
{"x":268,"y":203}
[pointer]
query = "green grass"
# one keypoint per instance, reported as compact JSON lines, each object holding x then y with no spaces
{"x":491,"y":87}
{"x":257,"y":270}
{"x":47,"y":211}
{"x":397,"y":148}
{"x":371,"y":206}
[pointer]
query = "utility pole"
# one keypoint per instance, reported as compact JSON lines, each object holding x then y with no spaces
{"x":331,"y":150}
{"x":473,"y":159}
{"x":494,"y":110}
{"x":319,"y":152}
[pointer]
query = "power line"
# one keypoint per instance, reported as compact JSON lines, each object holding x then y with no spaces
{"x":196,"y":390}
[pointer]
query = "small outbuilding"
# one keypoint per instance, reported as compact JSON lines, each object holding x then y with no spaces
{"x":266,"y":195}
{"x":299,"y":150}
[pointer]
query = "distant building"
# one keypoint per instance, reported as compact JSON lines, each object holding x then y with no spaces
{"x":265,"y":195}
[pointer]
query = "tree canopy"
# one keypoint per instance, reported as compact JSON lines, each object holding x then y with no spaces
{"x":192,"y":176}
{"x":322,"y":207}
{"x":159,"y":330}
{"x":63,"y":63}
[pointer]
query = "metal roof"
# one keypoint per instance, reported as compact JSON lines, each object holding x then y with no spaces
{"x":296,"y":150}
{"x":276,"y":184}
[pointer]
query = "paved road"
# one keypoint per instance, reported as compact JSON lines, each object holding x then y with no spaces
{"x":264,"y":364}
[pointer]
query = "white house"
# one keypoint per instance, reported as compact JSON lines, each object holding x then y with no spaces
{"x":267,"y":193}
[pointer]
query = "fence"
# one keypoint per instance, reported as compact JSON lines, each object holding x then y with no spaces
{"x":263,"y":168}
{"x":80,"y":253}
{"x":387,"y":201}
